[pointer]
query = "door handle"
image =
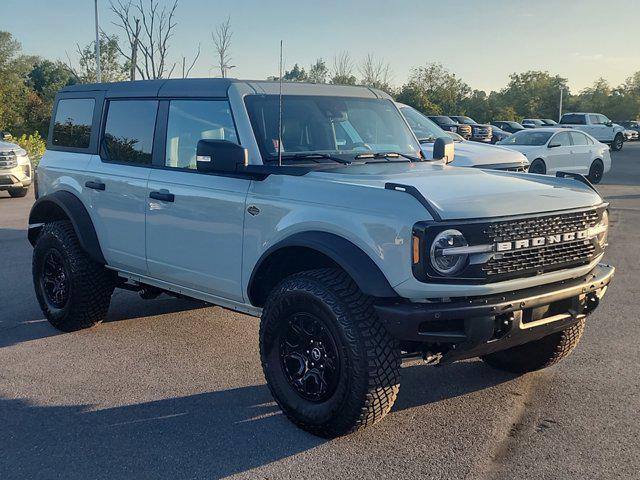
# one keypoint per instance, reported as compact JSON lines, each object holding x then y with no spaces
{"x":95,"y":185}
{"x":163,"y":195}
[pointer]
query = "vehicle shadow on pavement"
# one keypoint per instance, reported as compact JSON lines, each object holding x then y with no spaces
{"x":28,"y":323}
{"x":423,"y":384}
{"x":209,"y":435}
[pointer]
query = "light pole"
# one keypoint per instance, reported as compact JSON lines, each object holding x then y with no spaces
{"x":98,"y":72}
{"x":560,"y":108}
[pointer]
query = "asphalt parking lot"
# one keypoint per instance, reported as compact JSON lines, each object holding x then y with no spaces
{"x":173,"y":389}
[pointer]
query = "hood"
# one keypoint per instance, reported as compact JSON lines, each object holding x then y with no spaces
{"x":471,"y":154}
{"x":463,"y":193}
{"x":8,"y":146}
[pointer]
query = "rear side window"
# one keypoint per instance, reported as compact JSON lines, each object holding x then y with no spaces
{"x":128,"y":132}
{"x":595,"y":119}
{"x":72,"y":124}
{"x":579,"y":138}
{"x":573,"y":119}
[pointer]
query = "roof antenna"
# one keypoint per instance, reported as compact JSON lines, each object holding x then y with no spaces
{"x":280,"y":113}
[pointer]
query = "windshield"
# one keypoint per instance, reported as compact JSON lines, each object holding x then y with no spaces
{"x":328,"y":125}
{"x":422,"y":127}
{"x":527,"y":137}
{"x":466,"y":120}
{"x":442,"y":120}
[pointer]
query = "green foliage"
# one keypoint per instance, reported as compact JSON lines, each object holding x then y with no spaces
{"x":34,"y":144}
{"x":47,"y":77}
{"x":112,"y":68}
{"x":318,"y":72}
{"x":296,"y":74}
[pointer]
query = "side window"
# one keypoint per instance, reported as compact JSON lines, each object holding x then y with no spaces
{"x":128,"y":132}
{"x":72,"y":125}
{"x":561,"y":139}
{"x":603,"y":120}
{"x":594,"y":119}
{"x":193,"y":120}
{"x":579,"y":138}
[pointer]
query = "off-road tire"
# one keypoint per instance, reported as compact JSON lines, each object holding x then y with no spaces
{"x":618,"y":142}
{"x":369,"y":378}
{"x":18,"y":192}
{"x":538,"y":166}
{"x":596,"y":171}
{"x":90,"y":285}
{"x":538,"y":354}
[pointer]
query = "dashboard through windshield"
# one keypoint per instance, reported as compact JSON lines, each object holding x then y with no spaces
{"x":337,"y":126}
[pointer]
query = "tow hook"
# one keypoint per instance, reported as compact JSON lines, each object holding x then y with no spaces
{"x":591,"y":303}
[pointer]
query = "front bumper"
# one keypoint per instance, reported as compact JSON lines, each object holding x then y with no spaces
{"x":16,"y":177}
{"x":480,"y":325}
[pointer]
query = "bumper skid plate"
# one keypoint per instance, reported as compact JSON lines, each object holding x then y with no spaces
{"x":476,"y":326}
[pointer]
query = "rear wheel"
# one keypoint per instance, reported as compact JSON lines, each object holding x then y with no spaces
{"x":330,"y":365}
{"x":538,"y":166}
{"x":618,"y":143}
{"x":596,"y":171}
{"x":539,"y":353}
{"x":74,"y":292}
{"x":18,"y":192}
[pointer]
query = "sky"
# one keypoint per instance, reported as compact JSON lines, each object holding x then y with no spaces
{"x":482,"y":41}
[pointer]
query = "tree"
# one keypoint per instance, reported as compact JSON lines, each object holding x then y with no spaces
{"x":14,"y":92}
{"x":433,"y":89}
{"x":47,"y":77}
{"x":375,"y":73}
{"x":318,"y":72}
{"x":534,"y":94}
{"x":112,"y":67}
{"x":148,"y":29}
{"x":296,"y":74}
{"x":187,"y":70}
{"x":343,"y":70}
{"x":222,"y":41}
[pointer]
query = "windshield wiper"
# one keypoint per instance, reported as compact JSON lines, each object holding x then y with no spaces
{"x":314,"y":156}
{"x":387,"y":155}
{"x":427,"y":139}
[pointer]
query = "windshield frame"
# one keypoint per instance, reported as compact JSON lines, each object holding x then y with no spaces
{"x":410,"y":142}
{"x":439,"y":132}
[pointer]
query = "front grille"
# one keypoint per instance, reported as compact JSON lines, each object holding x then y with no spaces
{"x":542,"y":226}
{"x":8,"y":161}
{"x":545,"y":258}
{"x":464,"y":131}
{"x":541,"y":259}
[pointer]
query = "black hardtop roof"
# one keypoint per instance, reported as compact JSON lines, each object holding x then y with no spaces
{"x":214,"y":87}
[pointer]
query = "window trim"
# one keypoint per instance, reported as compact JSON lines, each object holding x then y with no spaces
{"x":103,"y":126}
{"x":92,"y":148}
{"x":162,"y":127}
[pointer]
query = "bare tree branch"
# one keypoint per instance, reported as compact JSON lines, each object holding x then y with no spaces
{"x":222,"y":41}
{"x":186,"y":71}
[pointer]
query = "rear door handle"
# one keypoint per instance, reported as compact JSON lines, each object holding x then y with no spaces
{"x":95,"y":185}
{"x":163,"y":195}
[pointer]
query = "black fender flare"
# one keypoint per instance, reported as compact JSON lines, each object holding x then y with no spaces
{"x":64,"y":205}
{"x":355,"y":262}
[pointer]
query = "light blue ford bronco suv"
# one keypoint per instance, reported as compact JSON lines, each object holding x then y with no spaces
{"x":315,"y":211}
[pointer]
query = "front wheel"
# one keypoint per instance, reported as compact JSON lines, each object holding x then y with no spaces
{"x":538,"y":166}
{"x":596,"y":171}
{"x":538,"y":354}
{"x":18,"y":192}
{"x":618,"y":143}
{"x":330,"y":365}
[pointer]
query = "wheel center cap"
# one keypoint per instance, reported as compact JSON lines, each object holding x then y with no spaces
{"x":316,"y":354}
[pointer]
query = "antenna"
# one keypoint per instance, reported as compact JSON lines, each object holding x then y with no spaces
{"x":280,"y":113}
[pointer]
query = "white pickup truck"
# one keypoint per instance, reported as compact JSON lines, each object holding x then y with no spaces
{"x":596,"y":125}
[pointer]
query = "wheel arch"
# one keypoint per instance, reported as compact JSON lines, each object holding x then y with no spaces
{"x":63,"y":205}
{"x":310,"y":250}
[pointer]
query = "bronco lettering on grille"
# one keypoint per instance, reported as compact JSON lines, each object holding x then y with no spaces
{"x":541,"y":241}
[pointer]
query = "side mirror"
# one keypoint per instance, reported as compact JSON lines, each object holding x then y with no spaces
{"x":220,"y":156}
{"x":554,"y":145}
{"x":609,"y":123}
{"x":443,"y":149}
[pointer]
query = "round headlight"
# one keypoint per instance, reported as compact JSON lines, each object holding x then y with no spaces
{"x":604,"y":233}
{"x":443,"y":260}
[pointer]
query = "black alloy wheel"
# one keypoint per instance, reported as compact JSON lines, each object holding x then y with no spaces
{"x":309,"y":357}
{"x":55,"y":280}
